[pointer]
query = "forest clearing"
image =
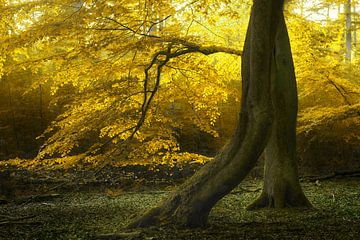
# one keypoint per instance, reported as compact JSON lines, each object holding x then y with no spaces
{"x":64,"y":210}
{"x":179,"y":119}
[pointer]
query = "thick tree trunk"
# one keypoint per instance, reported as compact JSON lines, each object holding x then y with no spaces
{"x":191,"y":204}
{"x":281,"y":182}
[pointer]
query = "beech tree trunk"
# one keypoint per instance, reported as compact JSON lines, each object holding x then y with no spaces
{"x":281,"y":181}
{"x":191,"y":204}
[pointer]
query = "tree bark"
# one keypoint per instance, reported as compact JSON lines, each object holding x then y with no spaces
{"x":281,"y":181}
{"x":191,"y":204}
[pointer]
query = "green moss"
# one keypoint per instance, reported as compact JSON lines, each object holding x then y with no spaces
{"x":82,"y":215}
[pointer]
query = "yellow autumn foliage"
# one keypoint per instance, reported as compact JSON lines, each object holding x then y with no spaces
{"x":93,"y":56}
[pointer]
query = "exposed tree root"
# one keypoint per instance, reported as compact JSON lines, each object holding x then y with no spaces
{"x":288,"y":200}
{"x":347,"y":173}
{"x":38,"y":198}
{"x":19,"y":220}
{"x":116,"y":236}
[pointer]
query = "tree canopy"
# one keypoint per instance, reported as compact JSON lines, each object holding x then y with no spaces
{"x":93,"y":72}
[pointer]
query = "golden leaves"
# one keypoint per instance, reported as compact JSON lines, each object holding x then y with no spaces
{"x":94,"y":54}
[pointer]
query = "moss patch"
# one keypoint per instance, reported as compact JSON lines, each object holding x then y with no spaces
{"x":86,"y":214}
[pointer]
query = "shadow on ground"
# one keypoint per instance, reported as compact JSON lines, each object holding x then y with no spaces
{"x":106,"y":209}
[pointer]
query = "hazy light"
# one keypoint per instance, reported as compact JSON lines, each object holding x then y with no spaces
{"x":314,"y":11}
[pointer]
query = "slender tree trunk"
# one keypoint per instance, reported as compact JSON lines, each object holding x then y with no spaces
{"x":355,"y":33}
{"x":41,"y":112}
{"x":13,"y":119}
{"x":191,"y":204}
{"x":281,"y":182}
{"x":348,"y":31}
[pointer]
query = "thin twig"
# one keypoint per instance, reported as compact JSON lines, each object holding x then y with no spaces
{"x":132,"y":30}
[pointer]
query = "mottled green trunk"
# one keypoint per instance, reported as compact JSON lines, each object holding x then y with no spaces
{"x":191,"y":204}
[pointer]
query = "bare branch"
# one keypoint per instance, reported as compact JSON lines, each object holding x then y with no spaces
{"x":147,"y":101}
{"x":339,"y":91}
{"x":158,"y":22}
{"x":130,"y":29}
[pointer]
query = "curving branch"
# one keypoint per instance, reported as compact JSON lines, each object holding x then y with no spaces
{"x":192,"y":46}
{"x":188,"y":47}
{"x":147,"y":100}
{"x":175,"y":47}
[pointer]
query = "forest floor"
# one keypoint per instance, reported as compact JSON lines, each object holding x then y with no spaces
{"x":54,"y":211}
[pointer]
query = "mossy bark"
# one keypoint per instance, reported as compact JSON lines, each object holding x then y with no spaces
{"x":191,"y":204}
{"x":281,"y":182}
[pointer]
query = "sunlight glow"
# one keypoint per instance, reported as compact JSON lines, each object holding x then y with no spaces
{"x":315,"y":11}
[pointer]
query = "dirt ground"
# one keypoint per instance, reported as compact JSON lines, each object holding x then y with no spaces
{"x":97,"y":211}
